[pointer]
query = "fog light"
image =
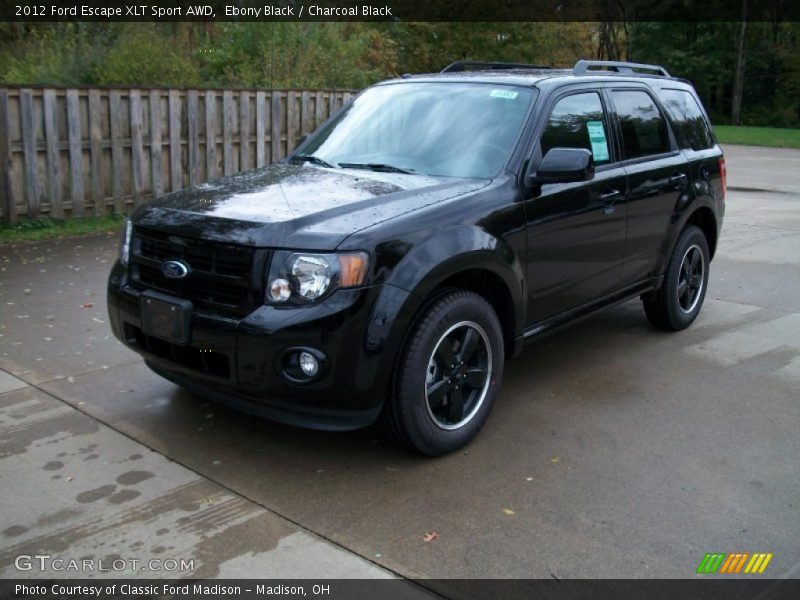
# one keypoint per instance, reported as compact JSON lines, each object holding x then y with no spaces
{"x":280,"y":290}
{"x":308,"y":364}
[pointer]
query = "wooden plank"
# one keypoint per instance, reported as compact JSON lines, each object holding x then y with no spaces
{"x":244,"y":130}
{"x":276,"y":129}
{"x":96,"y":153}
{"x":227,"y":132}
{"x":32,"y":195}
{"x":319,"y":110}
{"x":116,"y":116}
{"x":291,"y":126}
{"x":305,"y":114}
{"x":175,"y":167}
{"x":137,"y":147}
{"x":6,"y":189}
{"x":261,"y":129}
{"x":194,"y":137}
{"x":211,"y":135}
{"x":332,"y":104}
{"x":75,"y":153}
{"x":155,"y":143}
{"x":52,"y":156}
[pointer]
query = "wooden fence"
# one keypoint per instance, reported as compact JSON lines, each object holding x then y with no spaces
{"x":71,"y":152}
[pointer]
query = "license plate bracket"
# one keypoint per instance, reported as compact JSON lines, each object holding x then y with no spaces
{"x":166,"y":317}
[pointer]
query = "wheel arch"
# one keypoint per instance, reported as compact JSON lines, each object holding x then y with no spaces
{"x":703,"y":217}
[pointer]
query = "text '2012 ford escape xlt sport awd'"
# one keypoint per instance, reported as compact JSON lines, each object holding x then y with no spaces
{"x":420,"y":237}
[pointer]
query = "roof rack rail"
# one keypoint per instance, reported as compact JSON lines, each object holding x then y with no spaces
{"x":583,"y":66}
{"x":468,"y":65}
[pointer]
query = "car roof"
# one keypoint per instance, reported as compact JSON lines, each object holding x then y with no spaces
{"x":539,"y":77}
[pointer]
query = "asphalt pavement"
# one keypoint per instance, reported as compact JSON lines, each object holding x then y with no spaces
{"x":613,"y":450}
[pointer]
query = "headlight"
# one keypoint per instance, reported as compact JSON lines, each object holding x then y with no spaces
{"x":305,"y":277}
{"x":125,"y":243}
{"x":313,"y":276}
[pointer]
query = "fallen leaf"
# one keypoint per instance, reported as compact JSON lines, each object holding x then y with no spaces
{"x":508,"y":511}
{"x":430,"y":536}
{"x":555,"y":460}
{"x":87,"y":305}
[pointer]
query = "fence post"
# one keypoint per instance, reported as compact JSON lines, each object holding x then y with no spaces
{"x":211,"y":134}
{"x":194,"y":137}
{"x":75,"y":153}
{"x":227,"y":132}
{"x":9,"y":204}
{"x":137,"y":149}
{"x":155,"y":142}
{"x":175,"y":170}
{"x":29,"y":150}
{"x":96,"y":146}
{"x":244,"y":130}
{"x":53,"y":158}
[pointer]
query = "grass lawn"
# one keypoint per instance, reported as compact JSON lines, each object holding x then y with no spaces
{"x":758,"y":136}
{"x":45,"y":228}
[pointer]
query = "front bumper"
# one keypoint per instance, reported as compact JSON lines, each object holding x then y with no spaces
{"x":237,"y":360}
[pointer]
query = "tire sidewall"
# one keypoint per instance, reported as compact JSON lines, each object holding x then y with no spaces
{"x":425,"y":434}
{"x":691,"y":236}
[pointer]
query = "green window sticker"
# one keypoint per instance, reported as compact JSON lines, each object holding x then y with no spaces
{"x":597,"y":137}
{"x":505,"y":94}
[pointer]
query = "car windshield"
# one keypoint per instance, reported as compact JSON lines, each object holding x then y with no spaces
{"x":441,"y":129}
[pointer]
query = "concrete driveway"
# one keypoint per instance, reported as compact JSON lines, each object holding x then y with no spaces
{"x":613,"y":451}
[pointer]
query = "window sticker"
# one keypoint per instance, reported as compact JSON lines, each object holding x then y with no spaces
{"x":597,"y":137}
{"x":505,"y":94}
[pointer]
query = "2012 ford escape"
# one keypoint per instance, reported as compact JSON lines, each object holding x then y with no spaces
{"x":420,"y":238}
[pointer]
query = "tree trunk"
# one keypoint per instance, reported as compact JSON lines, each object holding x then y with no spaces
{"x":738,"y":79}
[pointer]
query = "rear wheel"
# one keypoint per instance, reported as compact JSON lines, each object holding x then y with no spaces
{"x":447,"y":376}
{"x":678,"y":302}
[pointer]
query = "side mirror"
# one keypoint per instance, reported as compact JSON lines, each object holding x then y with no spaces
{"x":562,"y":165}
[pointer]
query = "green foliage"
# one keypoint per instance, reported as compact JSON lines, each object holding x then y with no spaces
{"x":282,"y":55}
{"x":43,"y":228}
{"x":354,"y":55}
{"x":49,"y":54}
{"x":142,"y":54}
{"x":705,"y":54}
{"x":758,"y":136}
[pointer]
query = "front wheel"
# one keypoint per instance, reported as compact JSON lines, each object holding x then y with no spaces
{"x":447,"y":376}
{"x":677,"y":303}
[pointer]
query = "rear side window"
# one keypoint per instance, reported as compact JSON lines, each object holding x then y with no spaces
{"x":643,"y":128}
{"x":688,"y":118}
{"x":578,"y":121}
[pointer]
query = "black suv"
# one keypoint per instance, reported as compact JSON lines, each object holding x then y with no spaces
{"x":389,"y":267}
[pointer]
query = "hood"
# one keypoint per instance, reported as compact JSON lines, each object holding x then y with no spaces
{"x":292,"y":206}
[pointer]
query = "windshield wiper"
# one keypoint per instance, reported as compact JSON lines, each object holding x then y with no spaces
{"x":316,"y":160}
{"x":375,"y":167}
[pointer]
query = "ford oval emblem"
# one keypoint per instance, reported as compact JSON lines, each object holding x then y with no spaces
{"x":175,"y":269}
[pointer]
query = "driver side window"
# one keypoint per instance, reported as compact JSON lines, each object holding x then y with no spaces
{"x":578,"y":121}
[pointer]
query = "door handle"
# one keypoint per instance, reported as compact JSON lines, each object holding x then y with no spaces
{"x":678,"y":179}
{"x":609,"y":196}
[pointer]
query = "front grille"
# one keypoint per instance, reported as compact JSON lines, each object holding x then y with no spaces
{"x":205,"y":361}
{"x":221,"y":278}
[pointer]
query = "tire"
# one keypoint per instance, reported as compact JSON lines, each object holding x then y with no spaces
{"x":677,"y":303}
{"x":436,"y":407}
